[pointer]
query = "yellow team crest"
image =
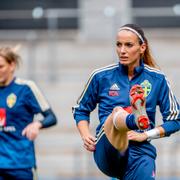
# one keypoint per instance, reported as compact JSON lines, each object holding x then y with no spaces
{"x":147,"y":86}
{"x":11,"y":100}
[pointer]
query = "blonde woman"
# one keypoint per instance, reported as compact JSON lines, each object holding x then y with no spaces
{"x":20,"y":100}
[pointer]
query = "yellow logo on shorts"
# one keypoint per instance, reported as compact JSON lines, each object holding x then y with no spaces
{"x":11,"y":100}
{"x":146,"y":85}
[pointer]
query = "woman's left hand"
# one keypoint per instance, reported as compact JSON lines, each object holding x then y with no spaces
{"x":136,"y":136}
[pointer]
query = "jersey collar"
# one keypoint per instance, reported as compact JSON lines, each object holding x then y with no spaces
{"x":137,"y":69}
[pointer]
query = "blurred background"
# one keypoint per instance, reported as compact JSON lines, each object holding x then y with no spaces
{"x":61,"y":42}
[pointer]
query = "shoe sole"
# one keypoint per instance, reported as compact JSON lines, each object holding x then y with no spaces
{"x":138,"y":106}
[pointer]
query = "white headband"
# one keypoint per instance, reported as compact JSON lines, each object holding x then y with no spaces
{"x":134,"y":31}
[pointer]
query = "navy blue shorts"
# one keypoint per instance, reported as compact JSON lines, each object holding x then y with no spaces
{"x":17,"y":174}
{"x":127,"y":166}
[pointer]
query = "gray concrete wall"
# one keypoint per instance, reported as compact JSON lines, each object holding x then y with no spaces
{"x":101,"y":19}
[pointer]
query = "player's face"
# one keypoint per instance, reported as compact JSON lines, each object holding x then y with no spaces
{"x":128,"y":48}
{"x":6,"y":71}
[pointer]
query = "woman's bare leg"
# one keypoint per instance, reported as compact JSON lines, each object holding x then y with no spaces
{"x":117,"y":134}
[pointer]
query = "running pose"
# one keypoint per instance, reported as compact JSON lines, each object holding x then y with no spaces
{"x":127,"y":94}
{"x":20,"y":100}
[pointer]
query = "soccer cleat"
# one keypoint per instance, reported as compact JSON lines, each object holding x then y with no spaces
{"x":139,"y":106}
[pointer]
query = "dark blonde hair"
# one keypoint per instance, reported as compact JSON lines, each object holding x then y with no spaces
{"x":10,"y":55}
{"x":147,"y":56}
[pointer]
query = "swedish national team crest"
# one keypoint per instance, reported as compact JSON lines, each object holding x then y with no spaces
{"x":147,"y":86}
{"x":11,"y":100}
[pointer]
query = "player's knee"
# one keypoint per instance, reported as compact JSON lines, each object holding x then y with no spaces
{"x":116,"y":109}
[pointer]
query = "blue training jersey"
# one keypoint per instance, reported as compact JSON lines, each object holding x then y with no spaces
{"x":19,"y":102}
{"x":110,"y":86}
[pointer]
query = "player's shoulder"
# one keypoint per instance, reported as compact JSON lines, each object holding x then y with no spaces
{"x":22,"y":81}
{"x":105,"y":69}
{"x":26,"y":83}
{"x":152,"y":71}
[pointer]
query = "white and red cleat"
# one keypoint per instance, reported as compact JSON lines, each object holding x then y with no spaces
{"x":138,"y":104}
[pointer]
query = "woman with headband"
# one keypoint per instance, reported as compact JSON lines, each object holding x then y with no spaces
{"x":127,"y":94}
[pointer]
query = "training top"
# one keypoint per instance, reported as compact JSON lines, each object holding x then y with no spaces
{"x":19,"y":102}
{"x":109,"y":87}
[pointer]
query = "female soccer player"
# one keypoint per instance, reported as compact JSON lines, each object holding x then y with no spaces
{"x":127,"y":94}
{"x":20,"y":100}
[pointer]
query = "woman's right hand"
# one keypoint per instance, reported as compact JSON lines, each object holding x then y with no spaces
{"x":89,"y":141}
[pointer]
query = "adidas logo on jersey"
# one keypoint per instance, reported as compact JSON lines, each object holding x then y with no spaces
{"x":114,"y":90}
{"x":114,"y":87}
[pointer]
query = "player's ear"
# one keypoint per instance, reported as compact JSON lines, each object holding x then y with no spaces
{"x":143,"y":48}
